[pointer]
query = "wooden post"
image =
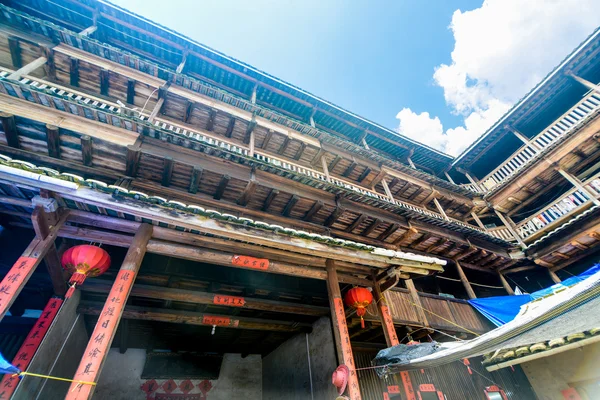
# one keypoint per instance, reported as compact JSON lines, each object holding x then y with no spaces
{"x":506,"y":285}
{"x":589,"y":85}
{"x":577,"y":183}
{"x":440,"y":209}
{"x":41,"y":224}
{"x":387,"y":190}
{"x":465,"y":281}
{"x":478,"y":221}
{"x":97,"y":349}
{"x":414,"y":295}
{"x":340,"y":329}
{"x":554,"y":277}
{"x":449,"y":177}
{"x":510,"y":226}
{"x":23,"y":268}
{"x":391,"y":338}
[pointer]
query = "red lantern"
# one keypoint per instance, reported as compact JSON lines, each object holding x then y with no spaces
{"x":359,"y":298}
{"x":83,"y":261}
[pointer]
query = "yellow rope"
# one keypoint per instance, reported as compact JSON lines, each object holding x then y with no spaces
{"x":54,"y":377}
{"x":431,"y":312}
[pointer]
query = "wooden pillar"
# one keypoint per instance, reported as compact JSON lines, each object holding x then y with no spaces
{"x":41,"y":222}
{"x":478,"y":221}
{"x":414,"y":295}
{"x":589,"y":85}
{"x":23,"y":268}
{"x":391,"y":338}
{"x":449,"y":177}
{"x":97,"y":349}
{"x":440,"y":209}
{"x":465,"y":281}
{"x":506,"y":285}
{"x":340,"y":329}
{"x":554,"y":277}
{"x":577,"y":183}
{"x":511,"y":227}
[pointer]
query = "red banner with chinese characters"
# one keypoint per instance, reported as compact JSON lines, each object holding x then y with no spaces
{"x":14,"y":281}
{"x":231,"y":301}
{"x":250,"y":262}
{"x":219,"y":321}
{"x":394,"y":389}
{"x":30,"y":345}
{"x":101,"y":338}
{"x":348,"y":358}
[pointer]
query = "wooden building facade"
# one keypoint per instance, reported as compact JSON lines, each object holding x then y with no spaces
{"x":238,"y":209}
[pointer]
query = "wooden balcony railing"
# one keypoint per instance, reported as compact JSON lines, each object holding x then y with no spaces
{"x":555,"y":132}
{"x":559,"y":211}
{"x":443,"y":313}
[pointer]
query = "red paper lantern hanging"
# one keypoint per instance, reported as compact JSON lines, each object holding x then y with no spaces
{"x":359,"y":298}
{"x":84,"y":261}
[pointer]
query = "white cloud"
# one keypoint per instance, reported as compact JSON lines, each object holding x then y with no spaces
{"x":502,"y":50}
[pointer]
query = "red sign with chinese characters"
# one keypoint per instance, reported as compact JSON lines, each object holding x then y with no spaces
{"x":29,"y":347}
{"x":14,"y":281}
{"x":231,"y":301}
{"x":394,"y":389}
{"x":348,"y":358}
{"x":219,"y":321}
{"x":250,"y":262}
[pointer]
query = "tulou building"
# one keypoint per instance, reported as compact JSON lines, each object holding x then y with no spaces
{"x":239,"y":211}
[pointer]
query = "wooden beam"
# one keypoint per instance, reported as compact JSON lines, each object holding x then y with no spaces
{"x":222,"y":186}
{"x":406,"y":236}
{"x":439,"y":243}
{"x":349,"y":170}
{"x":10,"y":129}
{"x":378,"y":178}
{"x":195,"y":180}
{"x":387,"y":190}
{"x":131,"y":91}
{"x":210,"y":124}
{"x":42,"y":226}
{"x":314,"y":209}
{"x":511,"y":227}
{"x":189,"y":109}
{"x":74,"y":72}
{"x":270,"y":197}
{"x":86,"y":150}
{"x":300,"y":151}
{"x":440,"y":209}
{"x":284,"y":145}
{"x":167,"y":173}
{"x":199,"y":297}
{"x":196,"y":318}
{"x":287,"y":210}
{"x":28,"y":69}
{"x":337,"y":212}
{"x":325,"y":168}
{"x":371,"y":227}
{"x":340,"y":329}
{"x":104,"y":82}
{"x":247,"y":194}
{"x":267,"y":139}
{"x":356,"y":222}
{"x":580,"y":186}
{"x":554,"y":277}
{"x":505,"y":284}
{"x":425,"y":237}
{"x":465,"y":280}
{"x":110,"y":314}
{"x":14,"y":48}
{"x":334,"y":162}
{"x":16,"y":278}
{"x":249,"y":130}
{"x":132,"y":160}
{"x":162,"y":96}
{"x":53,"y":140}
{"x":364,"y":174}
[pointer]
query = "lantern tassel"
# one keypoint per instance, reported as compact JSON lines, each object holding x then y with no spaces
{"x":76,"y":279}
{"x":362,"y":322}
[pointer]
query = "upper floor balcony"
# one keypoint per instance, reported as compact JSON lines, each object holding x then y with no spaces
{"x":530,"y":151}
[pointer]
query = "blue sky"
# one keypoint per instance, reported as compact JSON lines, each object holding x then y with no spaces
{"x":379,"y":58}
{"x":372,"y":58}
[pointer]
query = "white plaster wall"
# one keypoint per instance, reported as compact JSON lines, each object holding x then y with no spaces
{"x":239,"y":378}
{"x":550,"y":375}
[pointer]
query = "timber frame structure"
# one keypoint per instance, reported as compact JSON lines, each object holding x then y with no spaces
{"x":121,"y":132}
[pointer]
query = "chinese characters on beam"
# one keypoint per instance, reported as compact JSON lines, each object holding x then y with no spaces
{"x":250,"y":262}
{"x":29,"y":347}
{"x":97,"y":349}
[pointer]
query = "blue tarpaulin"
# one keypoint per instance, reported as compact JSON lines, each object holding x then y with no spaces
{"x":503,"y":309}
{"x":6,"y":367}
